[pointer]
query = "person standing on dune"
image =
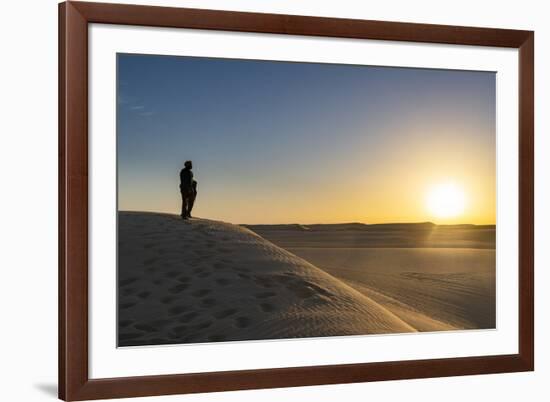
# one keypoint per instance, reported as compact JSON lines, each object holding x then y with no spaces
{"x":188,"y":190}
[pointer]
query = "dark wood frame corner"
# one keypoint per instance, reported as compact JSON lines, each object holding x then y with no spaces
{"x":74,"y":382}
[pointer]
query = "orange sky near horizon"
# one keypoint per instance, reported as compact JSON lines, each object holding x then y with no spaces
{"x":398,"y":194}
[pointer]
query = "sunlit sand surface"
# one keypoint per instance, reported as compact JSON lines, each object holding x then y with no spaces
{"x":208,"y":281}
{"x":432,"y":277}
{"x":201,"y":280}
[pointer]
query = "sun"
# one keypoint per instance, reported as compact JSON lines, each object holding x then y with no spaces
{"x":446,"y":200}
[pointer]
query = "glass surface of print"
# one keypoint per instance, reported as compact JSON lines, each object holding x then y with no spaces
{"x":273,"y":200}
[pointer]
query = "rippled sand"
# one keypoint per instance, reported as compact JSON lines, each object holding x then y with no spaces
{"x":208,"y":281}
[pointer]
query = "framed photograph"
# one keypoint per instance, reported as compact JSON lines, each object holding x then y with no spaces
{"x":258,"y":200}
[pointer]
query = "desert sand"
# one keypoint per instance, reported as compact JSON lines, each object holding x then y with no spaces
{"x":432,"y":277}
{"x":208,"y":281}
{"x":202,"y":280}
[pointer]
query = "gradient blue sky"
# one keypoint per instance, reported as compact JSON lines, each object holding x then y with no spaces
{"x":279,"y":142}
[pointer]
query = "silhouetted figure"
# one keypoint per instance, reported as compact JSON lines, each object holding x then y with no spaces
{"x":188,"y":190}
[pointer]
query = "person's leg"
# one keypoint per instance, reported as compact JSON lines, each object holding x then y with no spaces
{"x":183,"y":205}
{"x":192,"y":197}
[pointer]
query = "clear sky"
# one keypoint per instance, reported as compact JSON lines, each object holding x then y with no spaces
{"x":280,"y":142}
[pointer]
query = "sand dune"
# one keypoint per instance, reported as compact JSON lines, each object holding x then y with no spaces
{"x":455,"y":288}
{"x":393,"y":235}
{"x":432,"y":277}
{"x":206,"y":281}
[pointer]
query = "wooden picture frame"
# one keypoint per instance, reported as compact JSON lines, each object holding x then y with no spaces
{"x":74,"y":381}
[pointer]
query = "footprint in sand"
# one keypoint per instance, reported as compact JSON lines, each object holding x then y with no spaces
{"x":223,"y":281}
{"x":225,"y":313}
{"x":242,"y":322}
{"x":145,"y":327}
{"x":201,"y":253}
{"x":177,"y":310}
{"x":241,"y":269}
{"x":150,"y":261}
{"x":286,"y":278}
{"x":319,"y":289}
{"x":201,"y":292}
{"x":160,"y":323}
{"x":263,"y":281}
{"x":208,"y":302}
{"x":129,"y":336}
{"x":188,"y":317}
{"x":267,"y":307}
{"x":180,"y":329}
{"x":264,"y":295}
{"x":203,"y":325}
{"x":125,"y":282}
{"x":301,"y":292}
{"x":144,"y":295}
{"x":305,"y":289}
{"x":178,"y":288}
{"x":129,"y":291}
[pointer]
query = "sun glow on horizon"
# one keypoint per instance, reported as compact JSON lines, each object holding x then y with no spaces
{"x":446,"y":200}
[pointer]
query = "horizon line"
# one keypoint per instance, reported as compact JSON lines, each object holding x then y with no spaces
{"x":317,"y":223}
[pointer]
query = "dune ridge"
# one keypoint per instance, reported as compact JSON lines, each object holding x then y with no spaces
{"x":207,"y":281}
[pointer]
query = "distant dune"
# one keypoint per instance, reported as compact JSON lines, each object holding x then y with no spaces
{"x":391,"y":235}
{"x":207,"y":281}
